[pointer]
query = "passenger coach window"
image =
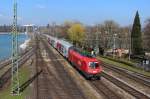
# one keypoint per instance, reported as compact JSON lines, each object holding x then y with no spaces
{"x":62,"y":49}
{"x":65,"y":51}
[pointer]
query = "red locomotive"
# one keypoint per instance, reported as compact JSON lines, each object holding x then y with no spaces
{"x":87,"y":64}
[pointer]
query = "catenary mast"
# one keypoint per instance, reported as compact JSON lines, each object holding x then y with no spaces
{"x":15,"y":74}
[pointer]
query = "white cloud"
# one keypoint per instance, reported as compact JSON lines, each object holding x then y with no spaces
{"x":40,"y":6}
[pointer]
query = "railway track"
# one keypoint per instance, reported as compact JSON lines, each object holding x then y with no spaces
{"x":140,"y":79}
{"x":103,"y":89}
{"x":141,"y":76}
{"x":7,"y":75}
{"x":8,"y":61}
{"x":131,"y":72}
{"x":42,"y":82}
{"x":125,"y":86}
{"x":5,"y":63}
{"x":59,"y":83}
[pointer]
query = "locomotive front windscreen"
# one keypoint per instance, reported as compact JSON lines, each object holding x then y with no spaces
{"x":93,"y":65}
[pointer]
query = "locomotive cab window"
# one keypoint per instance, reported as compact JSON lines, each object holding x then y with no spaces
{"x":93,"y":65}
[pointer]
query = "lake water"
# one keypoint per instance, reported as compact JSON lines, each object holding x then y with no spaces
{"x":6,"y":44}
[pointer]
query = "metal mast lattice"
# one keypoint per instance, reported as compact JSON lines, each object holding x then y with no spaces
{"x":15,"y":76}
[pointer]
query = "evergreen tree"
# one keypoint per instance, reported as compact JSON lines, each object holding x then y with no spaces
{"x":136,"y":37}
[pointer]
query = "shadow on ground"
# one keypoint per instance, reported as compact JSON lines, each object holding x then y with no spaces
{"x":27,"y":83}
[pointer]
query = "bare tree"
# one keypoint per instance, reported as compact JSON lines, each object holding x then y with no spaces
{"x":107,"y":30}
{"x":124,"y":37}
{"x":146,"y":35}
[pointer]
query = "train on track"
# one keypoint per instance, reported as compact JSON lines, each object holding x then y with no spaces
{"x":89,"y":66}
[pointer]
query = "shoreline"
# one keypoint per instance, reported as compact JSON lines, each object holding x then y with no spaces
{"x":2,"y":33}
{"x":24,"y":43}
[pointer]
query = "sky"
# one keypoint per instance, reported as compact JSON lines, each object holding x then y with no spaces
{"x":90,"y":12}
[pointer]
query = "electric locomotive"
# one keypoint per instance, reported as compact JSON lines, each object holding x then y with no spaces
{"x":85,"y":63}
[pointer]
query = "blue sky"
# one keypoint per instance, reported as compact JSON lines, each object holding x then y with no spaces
{"x":90,"y":12}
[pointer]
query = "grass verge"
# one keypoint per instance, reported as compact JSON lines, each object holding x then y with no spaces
{"x":24,"y":76}
{"x":125,"y":66}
